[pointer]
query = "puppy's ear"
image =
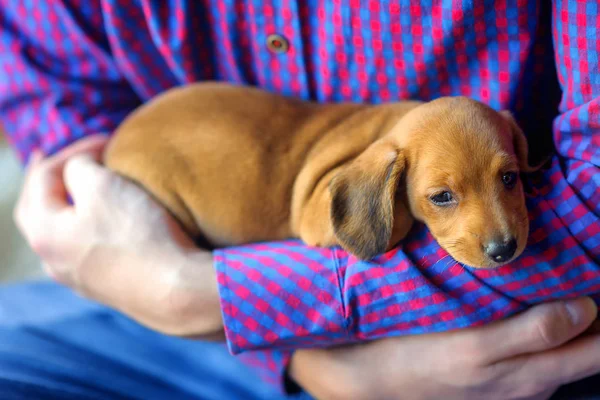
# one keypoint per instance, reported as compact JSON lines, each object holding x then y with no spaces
{"x":363,"y":194}
{"x":519,"y":143}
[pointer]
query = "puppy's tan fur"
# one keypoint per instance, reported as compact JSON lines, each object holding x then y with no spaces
{"x":237,"y":165}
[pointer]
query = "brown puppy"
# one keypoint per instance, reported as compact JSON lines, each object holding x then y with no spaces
{"x":237,"y":165}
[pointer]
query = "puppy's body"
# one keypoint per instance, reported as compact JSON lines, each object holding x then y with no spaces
{"x":238,"y":165}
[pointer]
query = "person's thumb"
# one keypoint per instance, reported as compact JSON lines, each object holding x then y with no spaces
{"x":85,"y":179}
{"x":539,"y":328}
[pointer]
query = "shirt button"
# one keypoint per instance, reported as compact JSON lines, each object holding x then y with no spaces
{"x":277,"y":43}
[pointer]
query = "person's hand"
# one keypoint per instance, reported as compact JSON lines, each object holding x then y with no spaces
{"x":527,"y":356}
{"x":115,"y":244}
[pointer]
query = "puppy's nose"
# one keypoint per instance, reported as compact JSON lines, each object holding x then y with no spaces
{"x":501,"y":251}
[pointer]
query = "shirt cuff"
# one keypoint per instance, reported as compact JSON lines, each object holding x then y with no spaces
{"x":271,"y":366}
{"x":280,"y":295}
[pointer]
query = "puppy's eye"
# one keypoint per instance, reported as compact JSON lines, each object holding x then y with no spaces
{"x":509,"y":179}
{"x":442,"y":199}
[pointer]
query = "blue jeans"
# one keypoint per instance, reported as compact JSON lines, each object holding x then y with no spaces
{"x":57,"y":345}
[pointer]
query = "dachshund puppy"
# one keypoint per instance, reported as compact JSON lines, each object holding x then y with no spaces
{"x":237,"y":165}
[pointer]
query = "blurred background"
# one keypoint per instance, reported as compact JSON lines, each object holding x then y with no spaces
{"x":17,"y":262}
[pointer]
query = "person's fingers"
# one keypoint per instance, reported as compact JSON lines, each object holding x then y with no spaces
{"x":53,"y":273}
{"x":593,"y":329}
{"x":41,"y":194}
{"x":85,"y":178}
{"x":576,"y":360}
{"x":35,"y":158}
{"x":53,"y":165}
{"x":542,"y":327}
{"x":44,"y":181}
{"x":92,"y":145}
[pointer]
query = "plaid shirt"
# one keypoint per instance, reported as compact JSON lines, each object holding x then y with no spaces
{"x":71,"y":68}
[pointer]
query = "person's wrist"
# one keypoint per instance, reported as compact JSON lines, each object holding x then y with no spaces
{"x":194,"y":302}
{"x":325,"y":376}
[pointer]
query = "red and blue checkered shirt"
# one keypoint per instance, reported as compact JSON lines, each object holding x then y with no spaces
{"x":72,"y":68}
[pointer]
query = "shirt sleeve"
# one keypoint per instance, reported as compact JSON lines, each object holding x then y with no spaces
{"x":285,"y":295}
{"x":58,"y":80}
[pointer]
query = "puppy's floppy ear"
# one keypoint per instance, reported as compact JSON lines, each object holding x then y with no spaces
{"x":520,"y":144}
{"x":363,"y":194}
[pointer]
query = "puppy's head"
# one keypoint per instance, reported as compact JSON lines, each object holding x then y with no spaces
{"x":452,"y":163}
